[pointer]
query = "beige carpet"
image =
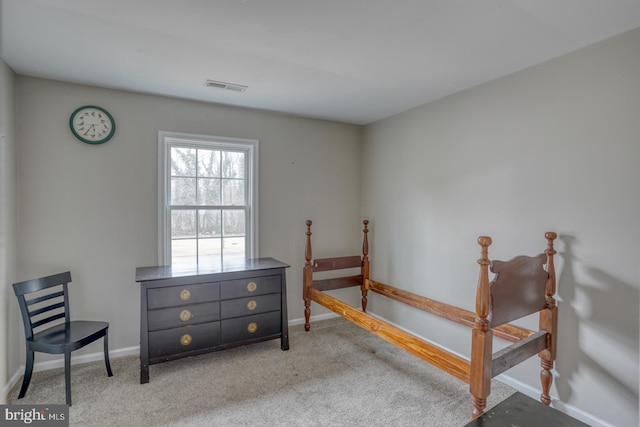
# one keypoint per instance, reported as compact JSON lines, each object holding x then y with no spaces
{"x":336,"y":375}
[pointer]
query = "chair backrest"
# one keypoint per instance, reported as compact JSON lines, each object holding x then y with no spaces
{"x":43,"y":302}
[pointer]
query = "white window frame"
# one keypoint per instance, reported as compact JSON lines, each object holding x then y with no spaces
{"x":249,"y":146}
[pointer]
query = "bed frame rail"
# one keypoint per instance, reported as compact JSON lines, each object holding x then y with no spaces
{"x":337,"y":283}
{"x":339,"y":263}
{"x":507,"y":332}
{"x":518,"y":352}
{"x":436,"y":356}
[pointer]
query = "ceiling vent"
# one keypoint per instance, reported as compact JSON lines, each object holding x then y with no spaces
{"x":224,"y":85}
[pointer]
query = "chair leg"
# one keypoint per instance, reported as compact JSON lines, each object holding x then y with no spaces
{"x":28,"y":370}
{"x":67,"y":376}
{"x":106,"y":355}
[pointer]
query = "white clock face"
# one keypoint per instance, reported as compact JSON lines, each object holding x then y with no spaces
{"x":92,"y":125}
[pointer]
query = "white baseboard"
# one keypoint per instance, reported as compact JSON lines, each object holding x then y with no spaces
{"x":134,"y":351}
{"x":316,"y":318}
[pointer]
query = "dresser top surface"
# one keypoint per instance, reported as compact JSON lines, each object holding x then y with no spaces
{"x":144,"y":274}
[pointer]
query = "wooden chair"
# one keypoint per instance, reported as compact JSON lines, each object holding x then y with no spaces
{"x":48,"y":303}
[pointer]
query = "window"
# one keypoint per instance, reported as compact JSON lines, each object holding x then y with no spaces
{"x":208,"y":199}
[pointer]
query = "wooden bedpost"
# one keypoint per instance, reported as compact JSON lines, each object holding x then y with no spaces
{"x":307,"y":278}
{"x":482,"y":335}
{"x":365,"y":265}
{"x":549,"y":322}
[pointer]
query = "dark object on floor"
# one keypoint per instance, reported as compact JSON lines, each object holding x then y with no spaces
{"x":519,"y":410}
{"x":47,"y":304}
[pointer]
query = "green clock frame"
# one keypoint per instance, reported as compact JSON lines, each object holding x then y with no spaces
{"x":100,"y":140}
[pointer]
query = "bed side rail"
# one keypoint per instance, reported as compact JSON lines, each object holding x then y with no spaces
{"x":436,"y":356}
{"x":507,"y":332}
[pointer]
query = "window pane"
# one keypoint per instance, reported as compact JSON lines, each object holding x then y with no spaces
{"x":183,"y":223}
{"x":209,"y":191}
{"x":183,"y":191}
{"x":210,"y":223}
{"x":210,"y":252}
{"x":183,"y":161}
{"x":234,"y":248}
{"x":207,"y":199}
{"x":209,"y":163}
{"x":233,"y":192}
{"x":183,"y":252}
{"x":232,"y":164}
{"x":233,"y":223}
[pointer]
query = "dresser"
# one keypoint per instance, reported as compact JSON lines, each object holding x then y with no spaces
{"x":190,"y":311}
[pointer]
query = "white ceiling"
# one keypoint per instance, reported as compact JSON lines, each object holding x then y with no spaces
{"x":353,"y":61}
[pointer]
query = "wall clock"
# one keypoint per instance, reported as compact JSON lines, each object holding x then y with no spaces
{"x":91,"y":124}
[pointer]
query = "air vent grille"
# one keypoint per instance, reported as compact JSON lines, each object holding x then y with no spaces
{"x":225,"y":85}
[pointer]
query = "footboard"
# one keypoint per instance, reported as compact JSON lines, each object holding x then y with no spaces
{"x":331,"y":264}
{"x":521,"y":286}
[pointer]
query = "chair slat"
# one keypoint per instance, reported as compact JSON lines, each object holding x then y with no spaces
{"x":47,"y":308}
{"x":45,"y":297}
{"x":47,"y":320}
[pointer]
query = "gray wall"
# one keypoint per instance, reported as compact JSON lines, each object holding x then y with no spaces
{"x":93,"y":209}
{"x":7,"y":214}
{"x":554,"y":147}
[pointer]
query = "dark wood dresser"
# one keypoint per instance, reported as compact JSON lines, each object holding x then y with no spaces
{"x":186,"y":312}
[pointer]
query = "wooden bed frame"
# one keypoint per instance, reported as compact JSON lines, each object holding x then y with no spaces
{"x":520,"y":287}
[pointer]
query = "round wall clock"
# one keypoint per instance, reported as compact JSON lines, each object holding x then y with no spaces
{"x":91,"y":124}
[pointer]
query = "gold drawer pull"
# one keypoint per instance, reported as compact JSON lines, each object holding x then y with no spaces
{"x":252,"y":327}
{"x":252,"y":305}
{"x":185,"y":315}
{"x":186,"y":339}
{"x":185,"y":295}
{"x":252,"y":286}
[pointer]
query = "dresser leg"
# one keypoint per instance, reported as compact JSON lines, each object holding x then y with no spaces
{"x":144,"y":373}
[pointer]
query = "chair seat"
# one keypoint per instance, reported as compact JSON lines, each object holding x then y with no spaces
{"x":67,"y":337}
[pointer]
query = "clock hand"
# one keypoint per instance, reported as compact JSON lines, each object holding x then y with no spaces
{"x":92,"y":126}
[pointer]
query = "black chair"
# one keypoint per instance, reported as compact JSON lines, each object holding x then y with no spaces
{"x":48,"y":303}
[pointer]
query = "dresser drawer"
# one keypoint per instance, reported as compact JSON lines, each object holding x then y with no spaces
{"x":249,"y":306}
{"x":251,"y":286}
{"x":250,"y":327}
{"x":182,"y":295}
{"x":179,"y":340}
{"x":175,"y":317}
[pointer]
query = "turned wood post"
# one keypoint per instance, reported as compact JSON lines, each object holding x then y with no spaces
{"x":307,"y":278}
{"x":549,"y":322}
{"x":365,"y":265}
{"x":482,"y":335}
